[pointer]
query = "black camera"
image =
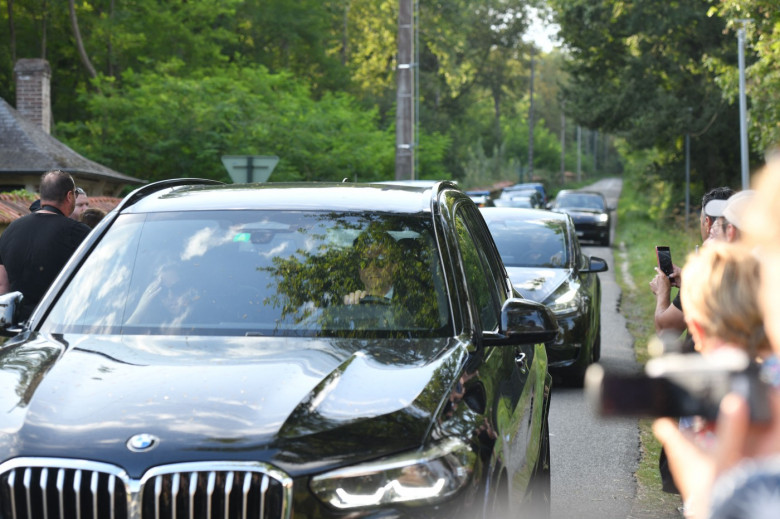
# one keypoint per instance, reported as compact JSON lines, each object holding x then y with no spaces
{"x":677,"y":385}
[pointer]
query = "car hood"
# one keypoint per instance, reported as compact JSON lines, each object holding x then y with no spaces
{"x":233,"y":398}
{"x":536,"y":283}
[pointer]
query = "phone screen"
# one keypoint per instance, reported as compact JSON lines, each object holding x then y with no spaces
{"x":664,"y":260}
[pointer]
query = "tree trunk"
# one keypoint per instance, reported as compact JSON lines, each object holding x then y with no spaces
{"x":111,"y":69}
{"x":45,"y":9}
{"x":79,"y":43}
{"x":345,"y":35}
{"x":12,"y":30}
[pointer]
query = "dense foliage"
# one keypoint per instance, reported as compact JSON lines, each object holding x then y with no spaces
{"x":653,"y":72}
{"x":163,"y":89}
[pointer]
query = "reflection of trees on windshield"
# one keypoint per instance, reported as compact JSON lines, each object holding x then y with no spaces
{"x":312,"y":283}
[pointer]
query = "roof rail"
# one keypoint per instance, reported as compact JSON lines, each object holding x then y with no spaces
{"x":437,"y":189}
{"x":148,"y":189}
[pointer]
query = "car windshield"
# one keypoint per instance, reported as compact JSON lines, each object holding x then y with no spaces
{"x":529,"y":243}
{"x":580,"y":201}
{"x":261,"y":273}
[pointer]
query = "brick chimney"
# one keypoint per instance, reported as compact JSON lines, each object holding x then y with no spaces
{"x":33,"y":91}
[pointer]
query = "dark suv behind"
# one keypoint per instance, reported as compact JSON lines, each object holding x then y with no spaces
{"x":275,"y":351}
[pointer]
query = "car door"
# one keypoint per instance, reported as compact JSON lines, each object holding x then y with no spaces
{"x":516,"y":374}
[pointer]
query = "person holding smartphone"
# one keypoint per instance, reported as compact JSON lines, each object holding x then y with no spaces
{"x":741,"y":477}
{"x":668,"y":315}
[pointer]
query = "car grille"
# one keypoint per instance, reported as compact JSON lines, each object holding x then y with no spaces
{"x":36,"y":488}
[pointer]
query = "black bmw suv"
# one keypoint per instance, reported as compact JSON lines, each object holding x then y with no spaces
{"x":275,"y":351}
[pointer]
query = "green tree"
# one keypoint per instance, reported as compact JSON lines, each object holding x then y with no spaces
{"x":181,"y":126}
{"x":762,"y":77}
{"x":638,"y":70}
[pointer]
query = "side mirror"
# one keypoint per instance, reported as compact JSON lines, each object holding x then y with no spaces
{"x":9,"y":304}
{"x":524,"y":322}
{"x":595,"y":265}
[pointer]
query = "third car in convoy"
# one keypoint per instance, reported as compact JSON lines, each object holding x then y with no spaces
{"x":589,"y":212}
{"x":545,"y":263}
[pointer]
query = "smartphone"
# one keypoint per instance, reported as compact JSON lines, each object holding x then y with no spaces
{"x":664,"y":256}
{"x":678,"y":385}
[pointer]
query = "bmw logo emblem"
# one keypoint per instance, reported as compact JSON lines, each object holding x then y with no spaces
{"x":142,"y":442}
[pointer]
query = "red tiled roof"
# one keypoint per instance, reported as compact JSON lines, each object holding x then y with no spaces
{"x":13,"y":205}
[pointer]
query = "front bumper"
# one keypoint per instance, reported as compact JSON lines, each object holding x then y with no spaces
{"x":569,"y":350}
{"x":591,"y":231}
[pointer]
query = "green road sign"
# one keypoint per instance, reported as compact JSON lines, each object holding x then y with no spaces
{"x":245,"y":169}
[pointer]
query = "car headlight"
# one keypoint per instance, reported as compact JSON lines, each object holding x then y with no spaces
{"x":565,"y":301}
{"x":413,"y":478}
{"x":602,"y":218}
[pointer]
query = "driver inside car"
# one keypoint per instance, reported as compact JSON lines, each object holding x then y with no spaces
{"x":378,"y":261}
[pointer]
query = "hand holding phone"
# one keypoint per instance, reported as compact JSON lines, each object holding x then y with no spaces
{"x":664,"y":256}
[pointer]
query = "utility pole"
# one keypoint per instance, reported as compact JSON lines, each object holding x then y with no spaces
{"x":531,"y":121}
{"x":743,"y":140}
{"x":563,"y":144}
{"x":579,"y":153}
{"x":687,"y":177}
{"x":405,"y":117}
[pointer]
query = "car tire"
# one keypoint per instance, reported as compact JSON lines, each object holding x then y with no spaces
{"x":605,"y":241}
{"x":578,"y":375}
{"x":597,"y":346}
{"x":541,"y":482}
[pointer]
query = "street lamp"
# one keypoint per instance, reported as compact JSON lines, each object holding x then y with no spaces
{"x":743,"y":141}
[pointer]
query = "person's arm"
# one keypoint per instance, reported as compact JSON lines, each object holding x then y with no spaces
{"x":695,"y":472}
{"x":5,"y":284}
{"x":692,"y":469}
{"x":667,"y":316}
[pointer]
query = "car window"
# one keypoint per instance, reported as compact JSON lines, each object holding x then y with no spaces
{"x":529,"y":243}
{"x":259,"y":273}
{"x":483,"y":275}
{"x":580,"y":201}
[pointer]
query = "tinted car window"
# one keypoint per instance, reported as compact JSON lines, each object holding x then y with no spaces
{"x":530,"y":243}
{"x":258,"y":273}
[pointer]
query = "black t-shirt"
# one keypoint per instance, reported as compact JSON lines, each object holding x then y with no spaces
{"x":33,"y":250}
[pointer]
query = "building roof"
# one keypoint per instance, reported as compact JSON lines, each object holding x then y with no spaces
{"x":13,"y":205}
{"x":26,"y":149}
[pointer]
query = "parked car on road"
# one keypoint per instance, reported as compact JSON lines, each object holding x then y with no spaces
{"x":545,"y":263}
{"x":589,"y":212}
{"x":270,"y":351}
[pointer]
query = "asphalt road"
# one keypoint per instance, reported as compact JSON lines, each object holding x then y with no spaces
{"x":593,"y":459}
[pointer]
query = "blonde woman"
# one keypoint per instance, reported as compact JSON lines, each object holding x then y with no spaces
{"x":720,"y":287}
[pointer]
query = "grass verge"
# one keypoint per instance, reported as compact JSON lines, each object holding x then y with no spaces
{"x":636,"y":239}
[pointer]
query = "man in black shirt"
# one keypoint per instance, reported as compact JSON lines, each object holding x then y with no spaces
{"x":34,"y":248}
